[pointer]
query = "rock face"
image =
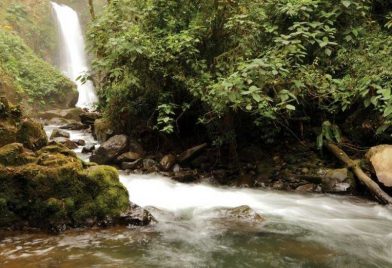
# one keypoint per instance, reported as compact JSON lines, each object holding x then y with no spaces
{"x":110,"y":149}
{"x":381,"y":159}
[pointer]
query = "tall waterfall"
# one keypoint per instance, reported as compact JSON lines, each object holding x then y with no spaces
{"x":73,"y":55}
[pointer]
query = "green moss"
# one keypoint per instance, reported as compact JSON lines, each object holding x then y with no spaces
{"x":57,"y":190}
{"x":31,"y":77}
{"x":32,"y":135}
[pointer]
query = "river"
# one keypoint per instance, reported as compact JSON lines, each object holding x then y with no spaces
{"x":192,"y":231}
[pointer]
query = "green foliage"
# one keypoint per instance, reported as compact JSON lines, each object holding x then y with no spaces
{"x":269,"y":59}
{"x":329,"y":132}
{"x":29,"y":75}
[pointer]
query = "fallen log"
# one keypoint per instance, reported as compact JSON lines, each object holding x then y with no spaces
{"x":373,"y":187}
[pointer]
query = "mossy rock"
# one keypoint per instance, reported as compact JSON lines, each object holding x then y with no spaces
{"x":32,"y":135}
{"x":56,"y":190}
{"x":14,"y":127}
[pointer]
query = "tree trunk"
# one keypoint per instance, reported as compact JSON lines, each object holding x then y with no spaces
{"x":373,"y":187}
{"x":92,"y":11}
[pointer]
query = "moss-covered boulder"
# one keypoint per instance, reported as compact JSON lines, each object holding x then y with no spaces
{"x":52,"y":189}
{"x":14,"y":127}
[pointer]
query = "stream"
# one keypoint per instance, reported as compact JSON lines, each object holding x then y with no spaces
{"x":299,"y":231}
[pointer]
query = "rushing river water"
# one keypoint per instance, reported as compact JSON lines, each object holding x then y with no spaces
{"x":299,"y":231}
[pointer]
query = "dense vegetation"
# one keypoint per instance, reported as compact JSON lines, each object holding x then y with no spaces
{"x":26,"y":78}
{"x":245,"y":66}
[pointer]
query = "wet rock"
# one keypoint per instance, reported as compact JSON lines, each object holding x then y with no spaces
{"x":131,"y":165}
{"x":110,"y":150}
{"x":74,"y":126}
{"x":88,"y":118}
{"x":150,"y":165}
{"x":103,"y":130}
{"x":57,"y":133}
{"x":337,"y":180}
{"x":380,"y":158}
{"x":278,"y":185}
{"x":306,"y":188}
{"x":168,"y":162}
{"x":243,"y":213}
{"x":185,"y":176}
{"x":66,"y":142}
{"x":190,"y":153}
{"x":135,"y":146}
{"x":128,"y":157}
{"x":136,"y":216}
{"x":80,"y":142}
{"x":88,"y":149}
{"x":71,"y":114}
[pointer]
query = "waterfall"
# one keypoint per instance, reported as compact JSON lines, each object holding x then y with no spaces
{"x":73,"y":55}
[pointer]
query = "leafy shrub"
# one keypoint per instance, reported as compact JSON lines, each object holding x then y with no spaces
{"x":270,"y":59}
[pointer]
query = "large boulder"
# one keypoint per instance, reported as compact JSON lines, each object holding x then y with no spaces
{"x":32,"y":134}
{"x":380,"y":158}
{"x":110,"y":150}
{"x":103,"y":130}
{"x":53,"y":190}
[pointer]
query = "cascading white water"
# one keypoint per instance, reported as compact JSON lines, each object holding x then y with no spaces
{"x":192,"y":231}
{"x":73,"y":58}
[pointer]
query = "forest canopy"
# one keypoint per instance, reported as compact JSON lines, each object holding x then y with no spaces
{"x":267,"y":62}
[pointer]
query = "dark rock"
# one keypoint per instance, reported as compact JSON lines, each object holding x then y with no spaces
{"x":57,"y":133}
{"x":243,"y":213}
{"x":131,"y":165}
{"x":66,"y":142}
{"x":168,"y":162}
{"x":88,"y":149}
{"x":150,"y":165}
{"x":185,"y":176}
{"x":80,"y":142}
{"x":306,"y":188}
{"x":135,"y":216}
{"x":74,"y":126}
{"x":128,"y":157}
{"x":110,"y":149}
{"x":337,"y":180}
{"x":135,"y":146}
{"x":190,"y":153}
{"x":88,"y":118}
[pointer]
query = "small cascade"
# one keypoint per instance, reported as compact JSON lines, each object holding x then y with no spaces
{"x":73,"y":55}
